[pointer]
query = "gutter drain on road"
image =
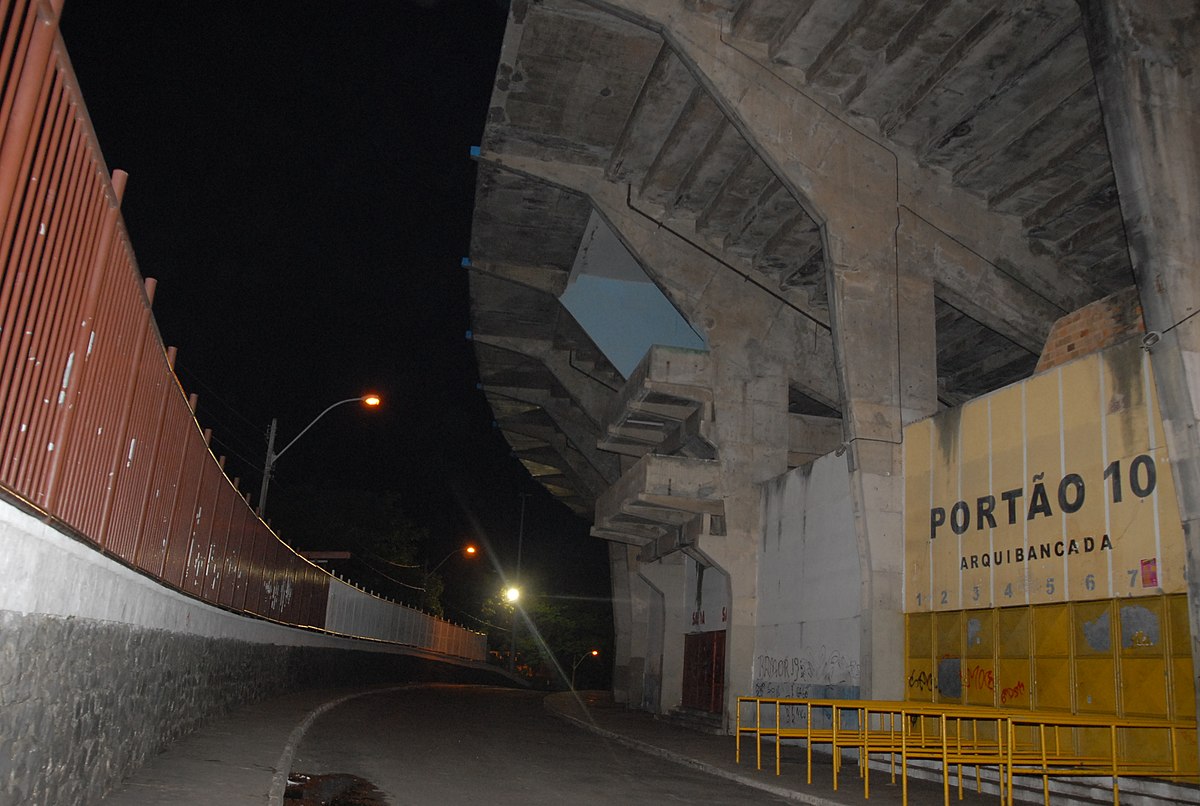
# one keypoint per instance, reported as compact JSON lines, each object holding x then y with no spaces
{"x":331,"y":789}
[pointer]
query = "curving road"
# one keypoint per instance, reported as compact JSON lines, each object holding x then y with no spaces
{"x":442,"y":744}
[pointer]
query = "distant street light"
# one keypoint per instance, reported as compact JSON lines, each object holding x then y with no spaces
{"x":514,"y":593}
{"x":595,"y":653}
{"x":371,"y":401}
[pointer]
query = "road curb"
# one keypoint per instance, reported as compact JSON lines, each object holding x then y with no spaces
{"x":678,"y":758}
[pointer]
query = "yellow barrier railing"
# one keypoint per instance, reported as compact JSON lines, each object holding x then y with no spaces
{"x":1015,"y":743}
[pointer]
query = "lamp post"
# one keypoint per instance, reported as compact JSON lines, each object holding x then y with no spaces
{"x":467,"y":550}
{"x":595,"y":653}
{"x":431,"y":592}
{"x":272,"y":457}
{"x":514,"y":593}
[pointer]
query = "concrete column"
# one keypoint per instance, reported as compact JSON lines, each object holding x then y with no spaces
{"x":646,"y":642}
{"x":863,"y":291}
{"x":850,"y":184}
{"x":622,"y":608}
{"x":756,"y":343}
{"x":667,"y":575}
{"x":1148,"y":77}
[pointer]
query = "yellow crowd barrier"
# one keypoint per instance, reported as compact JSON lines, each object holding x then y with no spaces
{"x":954,"y":737}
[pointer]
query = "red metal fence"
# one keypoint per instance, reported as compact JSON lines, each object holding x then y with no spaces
{"x":95,"y":429}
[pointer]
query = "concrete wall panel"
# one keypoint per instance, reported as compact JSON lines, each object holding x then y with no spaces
{"x":809,"y":581}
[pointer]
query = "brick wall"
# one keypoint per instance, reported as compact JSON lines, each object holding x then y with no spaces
{"x":1093,"y":327}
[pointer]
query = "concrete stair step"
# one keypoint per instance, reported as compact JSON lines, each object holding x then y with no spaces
{"x":694,"y":719}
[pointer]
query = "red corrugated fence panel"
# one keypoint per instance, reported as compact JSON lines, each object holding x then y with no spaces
{"x":164,"y":483}
{"x":200,"y":542}
{"x":138,"y":450}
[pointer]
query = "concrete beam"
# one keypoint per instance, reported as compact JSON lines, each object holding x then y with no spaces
{"x":685,"y":270}
{"x":539,"y":278}
{"x":592,"y":395}
{"x":975,"y":286}
{"x":575,"y":427}
{"x":811,"y":436}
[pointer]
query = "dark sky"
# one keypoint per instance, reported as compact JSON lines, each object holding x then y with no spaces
{"x":300,"y":186}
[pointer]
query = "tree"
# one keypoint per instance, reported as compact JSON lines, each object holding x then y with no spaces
{"x":552,"y":635}
{"x":385,"y":544}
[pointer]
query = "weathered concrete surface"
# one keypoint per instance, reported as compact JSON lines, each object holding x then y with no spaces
{"x":1147,"y":65}
{"x":877,"y":209}
{"x":807,"y":641}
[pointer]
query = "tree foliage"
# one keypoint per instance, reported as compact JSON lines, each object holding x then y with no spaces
{"x":386,"y":545}
{"x":552,"y":634}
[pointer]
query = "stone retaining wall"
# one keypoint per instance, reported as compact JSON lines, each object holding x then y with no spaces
{"x":101,"y":667}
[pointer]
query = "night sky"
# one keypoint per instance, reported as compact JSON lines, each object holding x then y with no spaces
{"x":301,"y":188}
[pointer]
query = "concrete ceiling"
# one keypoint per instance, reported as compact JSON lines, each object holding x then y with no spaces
{"x":989,"y":109}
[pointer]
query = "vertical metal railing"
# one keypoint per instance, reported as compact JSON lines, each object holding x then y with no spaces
{"x":95,"y":429}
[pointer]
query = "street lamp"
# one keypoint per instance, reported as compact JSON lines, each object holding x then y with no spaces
{"x":371,"y":401}
{"x":432,"y":585}
{"x":595,"y":653}
{"x":470,"y":551}
{"x":514,"y":593}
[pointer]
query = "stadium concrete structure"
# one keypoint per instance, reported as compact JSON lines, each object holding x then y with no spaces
{"x":938,"y":438}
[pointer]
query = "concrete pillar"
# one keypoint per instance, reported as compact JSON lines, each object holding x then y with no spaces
{"x":668,"y":576}
{"x":756,"y":343}
{"x":1148,"y":76}
{"x":863,"y":290}
{"x":851,"y":185}
{"x":646,"y":641}
{"x":622,"y":608}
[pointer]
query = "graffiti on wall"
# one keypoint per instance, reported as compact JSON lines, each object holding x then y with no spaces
{"x":813,"y":672}
{"x":953,"y":679}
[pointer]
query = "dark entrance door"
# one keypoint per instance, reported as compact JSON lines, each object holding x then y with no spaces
{"x":704,"y":671}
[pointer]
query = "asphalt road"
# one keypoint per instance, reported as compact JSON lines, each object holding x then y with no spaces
{"x":441,"y":744}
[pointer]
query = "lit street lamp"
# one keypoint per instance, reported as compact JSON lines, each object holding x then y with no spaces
{"x":269,"y":465}
{"x":432,"y":585}
{"x":595,"y":653}
{"x":467,"y":550}
{"x":514,"y":593}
